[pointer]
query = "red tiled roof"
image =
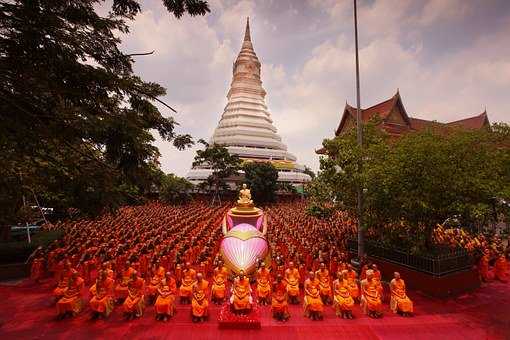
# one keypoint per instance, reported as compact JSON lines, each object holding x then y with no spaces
{"x":382,"y":109}
{"x":422,"y":124}
{"x":472,"y":123}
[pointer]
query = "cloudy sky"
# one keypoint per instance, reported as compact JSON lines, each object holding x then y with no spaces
{"x":449,"y":59}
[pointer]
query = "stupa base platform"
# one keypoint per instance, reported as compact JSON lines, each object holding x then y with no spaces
{"x":229,"y":320}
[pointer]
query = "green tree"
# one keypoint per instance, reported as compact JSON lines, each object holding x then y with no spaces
{"x":262,"y":179}
{"x":75,"y":121}
{"x":309,"y":172}
{"x":175,"y":189}
{"x":221,"y":162}
{"x":416,"y":181}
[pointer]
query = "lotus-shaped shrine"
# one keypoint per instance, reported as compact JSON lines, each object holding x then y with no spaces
{"x":244,"y":229}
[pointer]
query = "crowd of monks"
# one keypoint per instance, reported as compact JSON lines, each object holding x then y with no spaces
{"x":164,"y":255}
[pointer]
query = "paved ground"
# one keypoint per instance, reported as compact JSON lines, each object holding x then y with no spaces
{"x":27,"y":312}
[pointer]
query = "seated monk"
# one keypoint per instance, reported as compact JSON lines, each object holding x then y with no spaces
{"x":165,"y":303}
{"x":483,"y":267}
{"x":134,"y":303}
{"x":279,"y":305}
{"x":501,"y":268}
{"x":377,"y":278}
{"x":71,"y":303}
{"x":313,"y":305}
{"x":199,"y":303}
{"x":37,"y":269}
{"x":371,"y":303}
{"x":292,"y":280}
{"x":153,"y":286}
{"x":102,"y":296}
{"x":400,"y":302}
{"x":241,"y":299}
{"x":218,"y":288}
{"x":351,"y":282}
{"x":263,"y":285}
{"x":324,"y":283}
{"x":63,"y":280}
{"x":121,"y":290}
{"x":107,"y":267}
{"x":343,"y":301}
{"x":189,"y":278}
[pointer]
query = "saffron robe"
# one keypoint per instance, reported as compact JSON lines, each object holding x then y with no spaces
{"x":399,"y":300}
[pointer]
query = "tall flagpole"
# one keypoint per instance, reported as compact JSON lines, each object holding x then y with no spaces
{"x":359,"y":128}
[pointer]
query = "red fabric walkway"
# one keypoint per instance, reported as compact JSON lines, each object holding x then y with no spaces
{"x":26,"y":312}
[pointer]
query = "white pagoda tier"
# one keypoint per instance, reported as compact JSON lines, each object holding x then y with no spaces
{"x":246,"y":128}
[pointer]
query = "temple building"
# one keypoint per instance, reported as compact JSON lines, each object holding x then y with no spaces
{"x":395,"y":121}
{"x":246,"y":128}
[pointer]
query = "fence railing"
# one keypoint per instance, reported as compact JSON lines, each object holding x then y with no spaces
{"x":445,"y":262}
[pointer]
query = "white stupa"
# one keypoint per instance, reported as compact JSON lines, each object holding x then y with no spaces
{"x":246,"y":128}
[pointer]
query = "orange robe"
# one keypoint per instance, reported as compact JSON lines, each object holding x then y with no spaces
{"x":199,"y":303}
{"x":219,"y":283}
{"x":263,"y":283}
{"x":241,"y":296}
{"x":377,"y":279}
{"x":352,"y":284}
{"x":121,"y":290}
{"x":134,"y":302}
{"x":102,"y":296}
{"x":152,"y":287}
{"x":279,"y":298}
{"x":71,"y":301}
{"x":483,"y":268}
{"x":501,"y":269}
{"x":63,"y":282}
{"x":165,"y":303}
{"x":399,"y":300}
{"x":292,"y":280}
{"x":343,"y":300}
{"x":37,"y":269}
{"x":189,"y":278}
{"x":312,"y":301}
{"x":370,"y":296}
{"x":324,"y":282}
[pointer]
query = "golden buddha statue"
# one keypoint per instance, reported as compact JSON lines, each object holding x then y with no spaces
{"x":245,"y":204}
{"x":245,"y":197}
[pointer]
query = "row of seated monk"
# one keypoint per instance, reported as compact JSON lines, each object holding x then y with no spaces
{"x":133,"y":293}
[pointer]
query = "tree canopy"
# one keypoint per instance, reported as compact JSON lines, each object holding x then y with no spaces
{"x":221,"y":162}
{"x":262,"y":179}
{"x":75,"y":121}
{"x":417,"y":181}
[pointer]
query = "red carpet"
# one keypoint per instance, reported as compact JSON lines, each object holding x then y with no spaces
{"x":26,"y":312}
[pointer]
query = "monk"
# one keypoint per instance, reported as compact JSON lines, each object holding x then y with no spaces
{"x":292,"y":280}
{"x":324,"y":283}
{"x":165,"y":303}
{"x":219,"y":284}
{"x":483,"y":267}
{"x":63,"y":280}
{"x":199,"y":303}
{"x":121,"y":290}
{"x":378,"y":278}
{"x":371,"y":303}
{"x":279,"y":305}
{"x":263,"y":285}
{"x":351,"y":283}
{"x":107,"y":267}
{"x":37,"y":269}
{"x":153,"y":286}
{"x":134,"y":303}
{"x":189,"y":278}
{"x":313,"y":305}
{"x":343,"y":301}
{"x":71,"y":303}
{"x":241,"y":299}
{"x":102,"y":296}
{"x":501,"y":268}
{"x":400,"y":302}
